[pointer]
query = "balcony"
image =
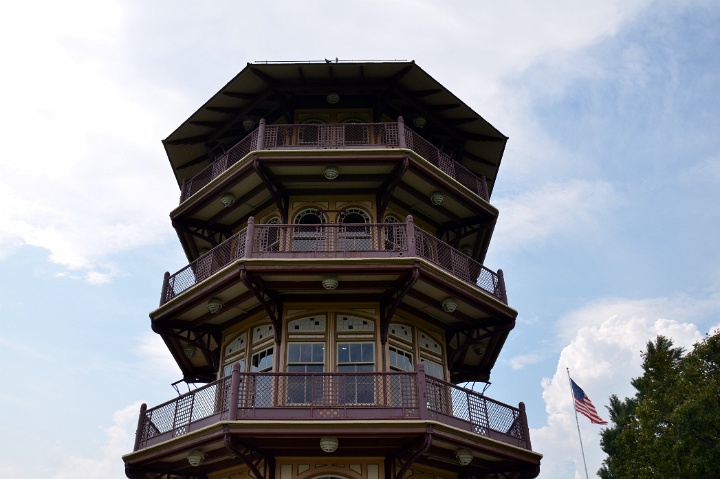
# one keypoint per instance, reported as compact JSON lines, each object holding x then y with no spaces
{"x":336,"y":136}
{"x":332,"y":396}
{"x":371,"y":240}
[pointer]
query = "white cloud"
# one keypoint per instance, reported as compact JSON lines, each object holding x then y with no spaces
{"x":80,"y":124}
{"x":604,"y":342}
{"x":522,"y":360}
{"x":706,"y":171}
{"x":574,"y":208}
{"x":118,"y":440}
{"x":153,"y":350}
{"x":77,"y":136}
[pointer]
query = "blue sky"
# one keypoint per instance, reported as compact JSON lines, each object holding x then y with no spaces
{"x":608,"y":192}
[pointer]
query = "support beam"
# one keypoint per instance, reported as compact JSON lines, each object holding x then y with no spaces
{"x":275,"y":188}
{"x":245,"y":454}
{"x":273,"y":304}
{"x":388,"y":187}
{"x":414,"y":452}
{"x":390,"y":302}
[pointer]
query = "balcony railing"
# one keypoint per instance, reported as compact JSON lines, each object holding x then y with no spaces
{"x":371,"y":240}
{"x":341,"y":135}
{"x":339,"y":396}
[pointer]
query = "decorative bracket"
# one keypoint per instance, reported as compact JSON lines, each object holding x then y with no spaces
{"x":388,"y":186}
{"x":413,"y":453}
{"x":272,"y":305}
{"x":277,"y":192}
{"x":200,"y":230}
{"x":245,"y":454}
{"x":200,"y":341}
{"x":464,"y":228}
{"x":390,"y":302}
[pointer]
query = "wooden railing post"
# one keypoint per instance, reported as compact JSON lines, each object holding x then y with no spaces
{"x":234,"y":392}
{"x":140,"y":426}
{"x":485,"y":193}
{"x":411,"y":236}
{"x":182,"y":189}
{"x":501,"y":286}
{"x":249,"y":237}
{"x":525,"y":426}
{"x":261,"y":134}
{"x":165,"y":284}
{"x":422,"y":391}
{"x":401,"y":132}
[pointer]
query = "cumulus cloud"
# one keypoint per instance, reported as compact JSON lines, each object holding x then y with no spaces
{"x":89,"y":188}
{"x":603,"y":345}
{"x":77,"y":137}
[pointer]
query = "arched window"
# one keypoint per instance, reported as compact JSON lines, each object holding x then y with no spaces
{"x":309,"y":234}
{"x":352,"y":236}
{"x":310,"y":216}
{"x":234,"y":352}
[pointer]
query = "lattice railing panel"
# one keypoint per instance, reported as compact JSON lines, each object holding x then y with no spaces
{"x":484,"y":414}
{"x":338,"y":135}
{"x":330,"y":238}
{"x":460,"y":265}
{"x":217,"y":167}
{"x":373,"y":390}
{"x":176,"y":416}
{"x":446,"y":164}
{"x":336,"y":240}
{"x":206,"y":265}
{"x":370,"y":395}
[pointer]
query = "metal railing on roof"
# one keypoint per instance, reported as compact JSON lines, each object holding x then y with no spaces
{"x":339,"y":135}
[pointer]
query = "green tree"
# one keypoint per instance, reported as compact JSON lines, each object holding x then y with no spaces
{"x":671,"y":427}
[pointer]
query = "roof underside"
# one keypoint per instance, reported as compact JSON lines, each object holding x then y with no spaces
{"x":275,"y":91}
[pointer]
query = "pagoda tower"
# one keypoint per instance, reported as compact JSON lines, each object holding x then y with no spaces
{"x":335,"y":217}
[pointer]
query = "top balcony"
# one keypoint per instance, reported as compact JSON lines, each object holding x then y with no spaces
{"x":336,"y":136}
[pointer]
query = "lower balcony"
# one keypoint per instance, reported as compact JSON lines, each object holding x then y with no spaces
{"x":316,"y":397}
{"x":300,"y":241}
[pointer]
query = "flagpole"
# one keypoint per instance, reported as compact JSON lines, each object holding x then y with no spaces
{"x":577,"y":422}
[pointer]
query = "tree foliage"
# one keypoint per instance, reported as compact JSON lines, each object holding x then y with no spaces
{"x":671,"y":427}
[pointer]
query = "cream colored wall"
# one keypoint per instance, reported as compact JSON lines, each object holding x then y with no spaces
{"x":331,"y":335}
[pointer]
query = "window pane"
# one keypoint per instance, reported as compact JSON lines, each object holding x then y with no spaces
{"x":368,"y":352}
{"x":305,"y":353}
{"x":262,"y":361}
{"x":228,"y":367}
{"x":318,"y":354}
{"x":355,"y":352}
{"x":293,"y":353}
{"x":400,"y":359}
{"x":433,"y":369}
{"x":343,"y":353}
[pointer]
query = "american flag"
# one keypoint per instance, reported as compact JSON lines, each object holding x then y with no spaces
{"x":584,"y":406}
